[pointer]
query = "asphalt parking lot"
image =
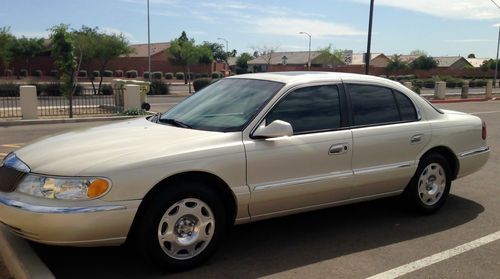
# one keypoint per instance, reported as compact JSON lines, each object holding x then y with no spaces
{"x":354,"y":241}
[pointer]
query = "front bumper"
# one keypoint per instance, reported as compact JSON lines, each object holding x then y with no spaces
{"x":90,"y":223}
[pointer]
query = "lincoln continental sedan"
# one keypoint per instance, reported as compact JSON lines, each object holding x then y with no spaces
{"x":243,"y":149}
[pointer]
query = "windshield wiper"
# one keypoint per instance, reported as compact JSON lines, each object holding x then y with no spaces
{"x":174,"y":122}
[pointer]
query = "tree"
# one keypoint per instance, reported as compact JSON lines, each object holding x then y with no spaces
{"x":108,"y":47}
{"x":488,"y":65}
{"x":6,"y":44}
{"x":26,"y":48}
{"x":184,"y":52}
{"x":242,"y":62}
{"x":63,"y":52}
{"x":471,"y":55}
{"x":330,"y":57}
{"x":85,"y":47}
{"x":396,"y":64}
{"x":418,"y":52}
{"x":424,"y":63}
{"x":265,"y":52}
{"x":218,"y":52}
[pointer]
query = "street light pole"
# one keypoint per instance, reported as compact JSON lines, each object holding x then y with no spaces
{"x":496,"y":65}
{"x":149,"y":47}
{"x":227,"y":50}
{"x":309,"y":59}
{"x":368,"y":54}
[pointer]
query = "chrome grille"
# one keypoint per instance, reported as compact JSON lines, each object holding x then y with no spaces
{"x":10,"y":178}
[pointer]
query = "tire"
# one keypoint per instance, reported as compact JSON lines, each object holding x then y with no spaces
{"x":430,"y":186}
{"x":181,"y":226}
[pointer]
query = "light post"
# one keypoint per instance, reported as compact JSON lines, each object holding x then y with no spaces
{"x":309,"y":59}
{"x":149,"y":48}
{"x":496,"y":64}
{"x":368,"y":54}
{"x":227,"y":50}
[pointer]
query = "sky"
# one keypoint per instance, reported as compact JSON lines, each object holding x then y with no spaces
{"x":439,"y":27}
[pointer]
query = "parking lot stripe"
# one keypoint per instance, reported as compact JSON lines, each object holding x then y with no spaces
{"x":3,"y":154}
{"x":12,"y":145}
{"x":419,"y":264}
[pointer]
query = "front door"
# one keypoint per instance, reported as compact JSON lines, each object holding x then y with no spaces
{"x":310,"y":168}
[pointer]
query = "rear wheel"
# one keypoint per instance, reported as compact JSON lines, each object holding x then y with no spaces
{"x":430,"y":186}
{"x":181,"y":226}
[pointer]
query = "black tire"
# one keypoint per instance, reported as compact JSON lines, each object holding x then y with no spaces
{"x":148,"y":229}
{"x":421,"y":202}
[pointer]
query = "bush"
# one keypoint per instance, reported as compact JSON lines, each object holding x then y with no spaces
{"x":118,"y":73}
{"x":23,"y":73}
{"x":451,"y":83}
{"x":37,"y":73}
{"x":392,"y":77}
{"x":134,"y":111}
{"x":145,"y":75}
{"x":429,"y":83}
{"x":9,"y":90}
{"x":131,"y":74}
{"x":54,"y":73}
{"x":198,"y":84}
{"x":169,"y":76}
{"x":204,"y":75}
{"x":82,"y":73}
{"x":96,"y":73}
{"x":107,"y":73}
{"x":417,"y":83}
{"x":400,"y":77}
{"x":472,"y":83}
{"x":107,"y":89}
{"x":179,"y":75}
{"x":411,"y":76}
{"x":216,"y":75}
{"x":50,"y":89}
{"x":157,"y":75}
{"x":480,"y":82}
{"x":158,"y":88}
{"x":459,"y":83}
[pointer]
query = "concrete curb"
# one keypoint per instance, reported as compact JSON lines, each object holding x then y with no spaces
{"x":459,"y":100}
{"x":21,"y":261}
{"x":63,"y":120}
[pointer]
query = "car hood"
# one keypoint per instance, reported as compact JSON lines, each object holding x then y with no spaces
{"x":95,"y":150}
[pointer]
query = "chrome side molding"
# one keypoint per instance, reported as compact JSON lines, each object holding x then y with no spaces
{"x":57,"y":209}
{"x":475,"y":151}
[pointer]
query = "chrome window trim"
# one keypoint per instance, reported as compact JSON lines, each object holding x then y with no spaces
{"x":475,"y":151}
{"x":57,"y":209}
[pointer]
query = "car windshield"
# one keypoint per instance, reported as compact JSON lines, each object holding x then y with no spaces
{"x":225,"y":106}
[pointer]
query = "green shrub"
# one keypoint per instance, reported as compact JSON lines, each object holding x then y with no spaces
{"x":216,"y":75}
{"x":412,"y":76}
{"x":9,"y":90}
{"x":107,"y":73}
{"x":198,"y":84}
{"x":158,"y":88}
{"x":82,"y":73}
{"x":131,"y":74}
{"x":107,"y":89}
{"x":169,"y":76}
{"x":23,"y":73}
{"x":451,"y":83}
{"x":145,"y":75}
{"x":134,"y":111}
{"x":392,"y":77}
{"x":37,"y":73}
{"x":459,"y":83}
{"x":96,"y":73}
{"x":429,"y":83}
{"x":480,"y":82}
{"x":400,"y":77}
{"x":118,"y":73}
{"x":417,"y":83}
{"x":204,"y":75}
{"x":191,"y":76}
{"x":54,"y":73}
{"x":157,"y":75}
{"x":179,"y":75}
{"x":50,"y":89}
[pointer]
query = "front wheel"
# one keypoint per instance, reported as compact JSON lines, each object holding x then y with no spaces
{"x":181,"y":226}
{"x":430,"y":186}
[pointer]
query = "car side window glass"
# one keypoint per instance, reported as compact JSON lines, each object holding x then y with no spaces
{"x":309,"y":109}
{"x":406,"y":107}
{"x":373,"y":105}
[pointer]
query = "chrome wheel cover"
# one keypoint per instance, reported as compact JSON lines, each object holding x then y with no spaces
{"x":432,"y":184}
{"x":186,"y":229}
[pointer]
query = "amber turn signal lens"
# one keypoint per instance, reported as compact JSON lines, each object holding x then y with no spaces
{"x":97,"y":188}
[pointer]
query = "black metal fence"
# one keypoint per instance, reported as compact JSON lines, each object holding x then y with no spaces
{"x":10,"y":105}
{"x":86,"y":102}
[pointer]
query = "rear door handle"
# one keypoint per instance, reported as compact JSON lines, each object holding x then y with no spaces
{"x":337,"y":149}
{"x":416,"y":139}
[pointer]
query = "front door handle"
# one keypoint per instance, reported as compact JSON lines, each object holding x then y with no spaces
{"x":337,"y":149}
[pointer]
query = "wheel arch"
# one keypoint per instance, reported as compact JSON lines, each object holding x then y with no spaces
{"x":210,"y":179}
{"x":450,"y":157}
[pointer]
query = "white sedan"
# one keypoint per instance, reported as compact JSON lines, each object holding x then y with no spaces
{"x":243,"y":149}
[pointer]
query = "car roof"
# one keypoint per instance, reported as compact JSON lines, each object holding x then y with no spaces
{"x":306,"y":76}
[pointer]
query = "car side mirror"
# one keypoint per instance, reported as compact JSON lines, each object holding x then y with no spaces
{"x":277,"y":128}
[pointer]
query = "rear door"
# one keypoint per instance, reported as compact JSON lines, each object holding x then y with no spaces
{"x":388,"y":134}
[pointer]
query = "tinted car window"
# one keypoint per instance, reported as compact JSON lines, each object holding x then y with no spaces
{"x":406,"y":107}
{"x":373,"y":105}
{"x":309,"y":109}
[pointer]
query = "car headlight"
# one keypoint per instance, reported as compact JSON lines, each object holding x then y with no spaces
{"x":64,"y":188}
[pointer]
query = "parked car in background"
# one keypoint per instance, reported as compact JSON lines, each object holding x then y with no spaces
{"x":243,"y":149}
